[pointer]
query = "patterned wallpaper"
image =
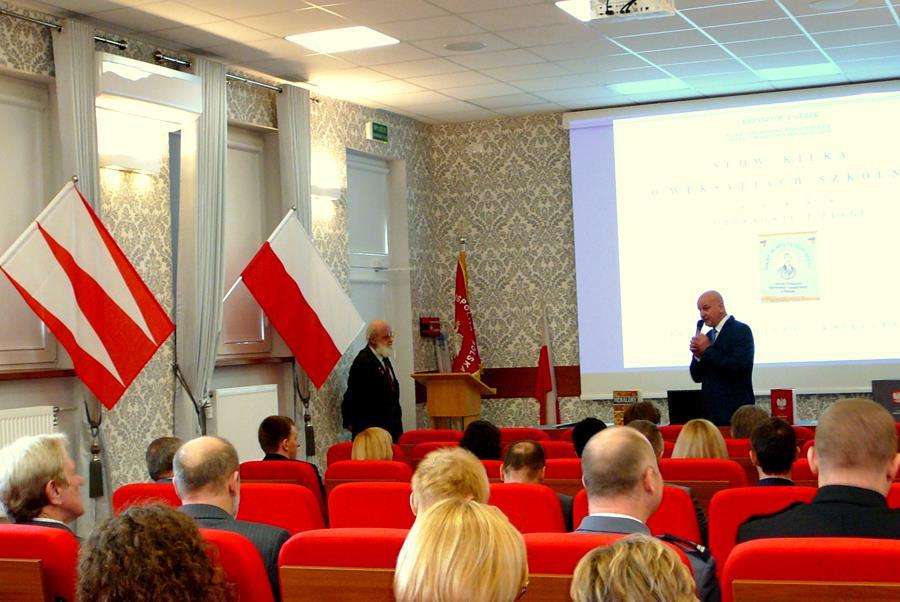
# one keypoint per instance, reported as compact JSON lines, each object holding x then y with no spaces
{"x":251,"y":104}
{"x":25,"y":46}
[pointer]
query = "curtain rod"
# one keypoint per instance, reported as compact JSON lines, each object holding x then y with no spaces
{"x":164,"y":58}
{"x":119,"y":43}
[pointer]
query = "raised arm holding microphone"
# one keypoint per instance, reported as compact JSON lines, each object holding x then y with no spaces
{"x":723,"y":359}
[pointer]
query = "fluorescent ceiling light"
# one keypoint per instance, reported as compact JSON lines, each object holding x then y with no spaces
{"x":580,"y":9}
{"x":648,"y":85}
{"x":798,"y":71}
{"x":330,"y":41}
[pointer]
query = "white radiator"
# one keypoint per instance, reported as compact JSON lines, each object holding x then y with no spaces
{"x":237,"y":412}
{"x":19,"y":422}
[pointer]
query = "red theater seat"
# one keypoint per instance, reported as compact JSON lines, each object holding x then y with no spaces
{"x":803,"y":434}
{"x":492,"y":468}
{"x":553,"y":449}
{"x":290,"y":507}
{"x":675,"y":515}
{"x":423,"y":449}
{"x":144,"y":493}
{"x":340,"y":452}
{"x":731,"y":508}
{"x":564,"y":475}
{"x":368,"y":471}
{"x":37,"y":563}
{"x":410,"y":439}
{"x":820,"y":569}
{"x":704,"y":477}
{"x":670,"y":432}
{"x":509,"y":434}
{"x":739,"y":451}
{"x":558,"y":554}
{"x":530,"y":508}
{"x":668,"y":448}
{"x":287,"y":471}
{"x":384,"y":505}
{"x":802,"y":475}
{"x":894,"y":496}
{"x":241,"y":562}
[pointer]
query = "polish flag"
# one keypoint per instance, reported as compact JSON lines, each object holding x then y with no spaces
{"x":468,"y":359}
{"x":545,"y":382}
{"x":303,"y":299}
{"x":75,"y":277}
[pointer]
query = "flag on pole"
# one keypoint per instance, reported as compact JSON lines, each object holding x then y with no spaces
{"x":303,"y":299}
{"x":74,"y":276}
{"x":468,"y":359}
{"x":545,"y":382}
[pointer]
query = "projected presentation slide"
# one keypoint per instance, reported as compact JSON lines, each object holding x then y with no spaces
{"x":790,"y":210}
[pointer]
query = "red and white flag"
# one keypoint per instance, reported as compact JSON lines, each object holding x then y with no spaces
{"x":75,"y":277}
{"x":303,"y":299}
{"x":468,"y":359}
{"x":545,"y":381}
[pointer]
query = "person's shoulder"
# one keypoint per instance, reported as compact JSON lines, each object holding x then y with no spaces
{"x":261,"y":530}
{"x":771,"y":524}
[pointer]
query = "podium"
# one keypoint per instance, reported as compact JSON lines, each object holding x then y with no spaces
{"x":452,"y":395}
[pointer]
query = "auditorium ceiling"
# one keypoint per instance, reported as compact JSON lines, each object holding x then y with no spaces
{"x":464,"y":60}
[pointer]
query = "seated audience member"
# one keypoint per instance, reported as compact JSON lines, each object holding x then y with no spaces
{"x":583,"y":431}
{"x":642,"y":410}
{"x":482,"y":439}
{"x":209,"y":485}
{"x":525,"y":462}
{"x":149,"y":553}
{"x":38,"y":482}
{"x":278,"y":438}
{"x":159,"y":457}
{"x":654,"y":436}
{"x":773,"y":449}
{"x":745,"y":419}
{"x":449,"y":472}
{"x":855,"y":457}
{"x":373,"y":444}
{"x":700,"y":438}
{"x":635,"y":568}
{"x":624,"y":487}
{"x":461,"y":551}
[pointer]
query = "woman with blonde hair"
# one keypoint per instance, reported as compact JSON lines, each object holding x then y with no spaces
{"x":638,"y":568}
{"x":373,"y":444}
{"x":700,"y":439}
{"x":461,"y":551}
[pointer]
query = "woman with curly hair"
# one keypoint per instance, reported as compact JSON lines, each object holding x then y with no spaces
{"x":148,"y":554}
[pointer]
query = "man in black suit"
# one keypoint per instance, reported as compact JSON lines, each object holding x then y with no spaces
{"x":207,"y":481}
{"x":278,"y":438}
{"x":773,"y":449}
{"x":38,"y":482}
{"x":722,"y":360}
{"x":855,"y":457}
{"x":373,"y":392}
{"x":526,"y":462}
{"x":159,"y":456}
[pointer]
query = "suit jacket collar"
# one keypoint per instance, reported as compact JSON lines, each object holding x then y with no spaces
{"x":53,"y":524}
{"x":846,"y":494}
{"x":206,"y":512}
{"x":612,"y":524}
{"x":271,"y":456}
{"x":774,"y":481}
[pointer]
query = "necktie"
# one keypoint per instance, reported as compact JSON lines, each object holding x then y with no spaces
{"x":389,"y":372}
{"x":712,"y":336}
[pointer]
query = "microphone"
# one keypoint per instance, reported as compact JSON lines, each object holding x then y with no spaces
{"x":699,"y":325}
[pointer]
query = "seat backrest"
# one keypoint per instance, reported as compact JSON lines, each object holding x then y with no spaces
{"x":340,"y":452}
{"x":804,"y":448}
{"x":529,"y":507}
{"x":423,"y":435}
{"x":893,"y":497}
{"x":668,"y":448}
{"x":739,"y":451}
{"x":559,"y":553}
{"x":21,"y":546}
{"x":290,"y":507}
{"x":704,"y":477}
{"x":675,"y":515}
{"x":803,"y":434}
{"x":287,"y":471}
{"x":802,"y":474}
{"x":134,"y":494}
{"x":364,"y":505}
{"x":241,"y":562}
{"x":563,"y":435}
{"x":553,"y":449}
{"x":426,"y":447}
{"x":670,"y":432}
{"x":821,"y":569}
{"x":732,"y":507}
{"x":492,"y":468}
{"x":509,"y":434}
{"x":367,"y":471}
{"x":564,"y":475}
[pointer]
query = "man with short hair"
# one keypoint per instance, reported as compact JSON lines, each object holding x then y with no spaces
{"x":773,"y":449}
{"x":278,"y":438}
{"x":208,"y":482}
{"x":855,"y":457}
{"x":159,"y":456}
{"x":38,"y":482}
{"x":624,"y":488}
{"x":373,"y":392}
{"x":525,"y":462}
{"x":448,"y":472}
{"x":583,"y":431}
{"x":745,"y":419}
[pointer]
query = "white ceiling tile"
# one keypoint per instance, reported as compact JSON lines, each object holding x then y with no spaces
{"x":519,"y":17}
{"x":705,"y":68}
{"x":87,"y":7}
{"x":582,"y":105}
{"x":479,"y":115}
{"x":617,"y":27}
{"x":508,"y":100}
{"x":754,"y":31}
{"x":771,"y":46}
{"x":232,"y":31}
{"x":604,"y":63}
{"x":356,"y":75}
{"x":514,"y":111}
{"x":180,"y":12}
{"x":292,"y":22}
{"x":576,"y":50}
{"x":421,"y":68}
{"x":747,"y":88}
{"x":735,"y":13}
{"x":829,"y":80}
{"x":490,"y":60}
{"x":537,"y":86}
{"x":632,"y":75}
{"x":573,"y":94}
{"x":661,"y":96}
{"x":522,"y":72}
{"x":869,"y":17}
{"x":793,"y":59}
{"x":452,"y":80}
{"x":803,"y":7}
{"x":416,"y":99}
{"x":396,"y":53}
{"x":850,"y":53}
{"x":867,"y":69}
{"x":237,"y":9}
{"x":481,"y":91}
{"x":451,"y":106}
{"x":692,"y":54}
{"x":281,"y":68}
{"x":468,"y":6}
{"x":721,"y":80}
{"x":661,"y":41}
{"x":242,"y":53}
{"x":492,"y":44}
{"x":374,"y":12}
{"x":212,"y":34}
{"x":852,"y":37}
{"x":135,"y":19}
{"x":551,"y":34}
{"x":424,"y":29}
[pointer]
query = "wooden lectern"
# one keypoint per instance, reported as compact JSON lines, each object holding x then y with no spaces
{"x":452,"y":395}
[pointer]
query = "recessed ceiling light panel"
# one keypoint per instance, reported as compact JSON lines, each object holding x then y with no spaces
{"x":331,"y":41}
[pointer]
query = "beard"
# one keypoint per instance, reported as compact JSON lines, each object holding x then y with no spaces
{"x":385,"y":351}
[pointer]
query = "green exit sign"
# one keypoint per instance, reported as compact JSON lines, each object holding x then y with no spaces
{"x":376,"y":131}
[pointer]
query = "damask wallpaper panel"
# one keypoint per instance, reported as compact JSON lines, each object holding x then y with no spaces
{"x":24,"y":46}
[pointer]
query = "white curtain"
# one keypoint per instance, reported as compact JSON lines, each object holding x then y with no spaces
{"x":200,"y":271}
{"x":73,"y":57}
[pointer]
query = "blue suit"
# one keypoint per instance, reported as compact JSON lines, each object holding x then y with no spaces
{"x":726,"y":371}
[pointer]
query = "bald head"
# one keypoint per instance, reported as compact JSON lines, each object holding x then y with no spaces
{"x":711,"y":307}
{"x":856,"y":440}
{"x":615,"y":461}
{"x":204,"y":465}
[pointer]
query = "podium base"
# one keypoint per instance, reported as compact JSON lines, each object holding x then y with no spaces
{"x":456,"y":423}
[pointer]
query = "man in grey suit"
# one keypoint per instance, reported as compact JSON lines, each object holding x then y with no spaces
{"x":624,"y":488}
{"x":207,"y":481}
